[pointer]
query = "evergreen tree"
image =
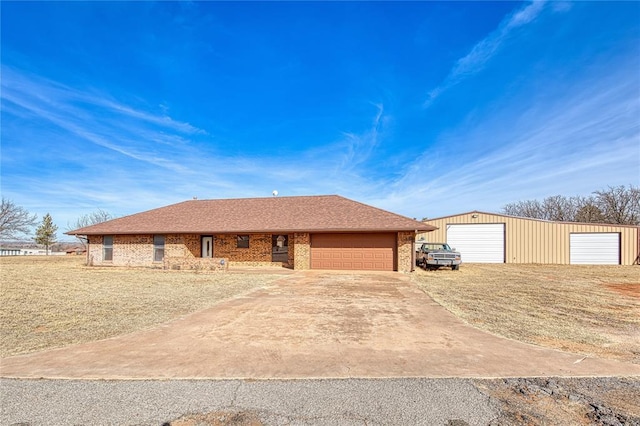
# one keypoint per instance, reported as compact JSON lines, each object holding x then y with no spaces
{"x":46,"y":232}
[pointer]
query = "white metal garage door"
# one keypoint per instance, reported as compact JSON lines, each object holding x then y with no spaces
{"x":478,"y":243}
{"x":594,"y":249}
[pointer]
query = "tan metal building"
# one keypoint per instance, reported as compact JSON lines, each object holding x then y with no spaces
{"x":494,"y":238}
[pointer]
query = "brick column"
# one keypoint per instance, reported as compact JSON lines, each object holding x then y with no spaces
{"x":405,"y":251}
{"x":301,"y":250}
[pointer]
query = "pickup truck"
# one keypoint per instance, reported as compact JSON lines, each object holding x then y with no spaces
{"x":435,"y":255}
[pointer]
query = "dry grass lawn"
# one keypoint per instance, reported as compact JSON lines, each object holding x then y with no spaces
{"x":55,"y":301}
{"x":593,"y":310}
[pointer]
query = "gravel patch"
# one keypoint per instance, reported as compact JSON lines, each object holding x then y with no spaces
{"x":607,"y":401}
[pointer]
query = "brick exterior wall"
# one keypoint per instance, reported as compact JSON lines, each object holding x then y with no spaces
{"x":183,"y":251}
{"x":128,"y":250}
{"x":191,"y":245}
{"x":405,"y":251}
{"x":301,"y":250}
{"x":259,"y":248}
{"x":94,"y":250}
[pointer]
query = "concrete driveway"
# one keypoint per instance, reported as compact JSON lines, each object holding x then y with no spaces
{"x":313,"y":325}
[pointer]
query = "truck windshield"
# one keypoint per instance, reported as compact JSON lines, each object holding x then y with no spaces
{"x":437,"y":246}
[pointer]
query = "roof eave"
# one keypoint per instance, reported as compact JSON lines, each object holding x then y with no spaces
{"x":255,"y":231}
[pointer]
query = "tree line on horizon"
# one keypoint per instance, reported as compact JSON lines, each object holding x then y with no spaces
{"x":615,"y":205}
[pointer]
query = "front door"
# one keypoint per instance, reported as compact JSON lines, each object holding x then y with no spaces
{"x":279,"y":248}
{"x":207,"y":246}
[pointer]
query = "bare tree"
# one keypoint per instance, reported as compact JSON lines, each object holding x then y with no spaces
{"x":89,"y":219}
{"x":528,"y":208}
{"x":589,"y":212}
{"x":15,"y":220}
{"x":93,"y":218}
{"x":620,"y":204}
{"x":559,"y":208}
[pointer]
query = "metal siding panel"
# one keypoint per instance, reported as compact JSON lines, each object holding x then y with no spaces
{"x":546,"y":248}
{"x":563,"y":244}
{"x":629,"y":247}
{"x":553,"y":247}
{"x":508,"y":232}
{"x":522,"y":253}
{"x":594,"y":248}
{"x":528,"y":249}
{"x":478,"y":243}
{"x":540,"y":242}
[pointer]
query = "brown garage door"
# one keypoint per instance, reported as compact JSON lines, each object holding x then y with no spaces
{"x":373,"y":252}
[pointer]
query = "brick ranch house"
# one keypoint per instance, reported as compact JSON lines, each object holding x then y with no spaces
{"x":309,"y":232}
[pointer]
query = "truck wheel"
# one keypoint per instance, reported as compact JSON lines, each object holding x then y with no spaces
{"x":455,"y":267}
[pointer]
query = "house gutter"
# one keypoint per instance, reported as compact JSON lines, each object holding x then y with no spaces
{"x":429,"y":228}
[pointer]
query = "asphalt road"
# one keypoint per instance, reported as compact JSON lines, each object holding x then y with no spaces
{"x":414,"y":401}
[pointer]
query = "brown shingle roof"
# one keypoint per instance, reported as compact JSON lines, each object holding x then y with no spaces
{"x":323,"y":213}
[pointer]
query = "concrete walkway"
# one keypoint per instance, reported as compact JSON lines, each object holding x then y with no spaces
{"x":313,"y":325}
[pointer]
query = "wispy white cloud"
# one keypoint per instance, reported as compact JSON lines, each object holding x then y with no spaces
{"x":359,"y":147}
{"x":163,"y":120}
{"x":55,"y":94}
{"x":149,"y":159}
{"x":482,"y":52}
{"x":93,"y":117}
{"x":581,"y":141}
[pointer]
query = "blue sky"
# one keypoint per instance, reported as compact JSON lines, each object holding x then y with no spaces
{"x":422,"y":108}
